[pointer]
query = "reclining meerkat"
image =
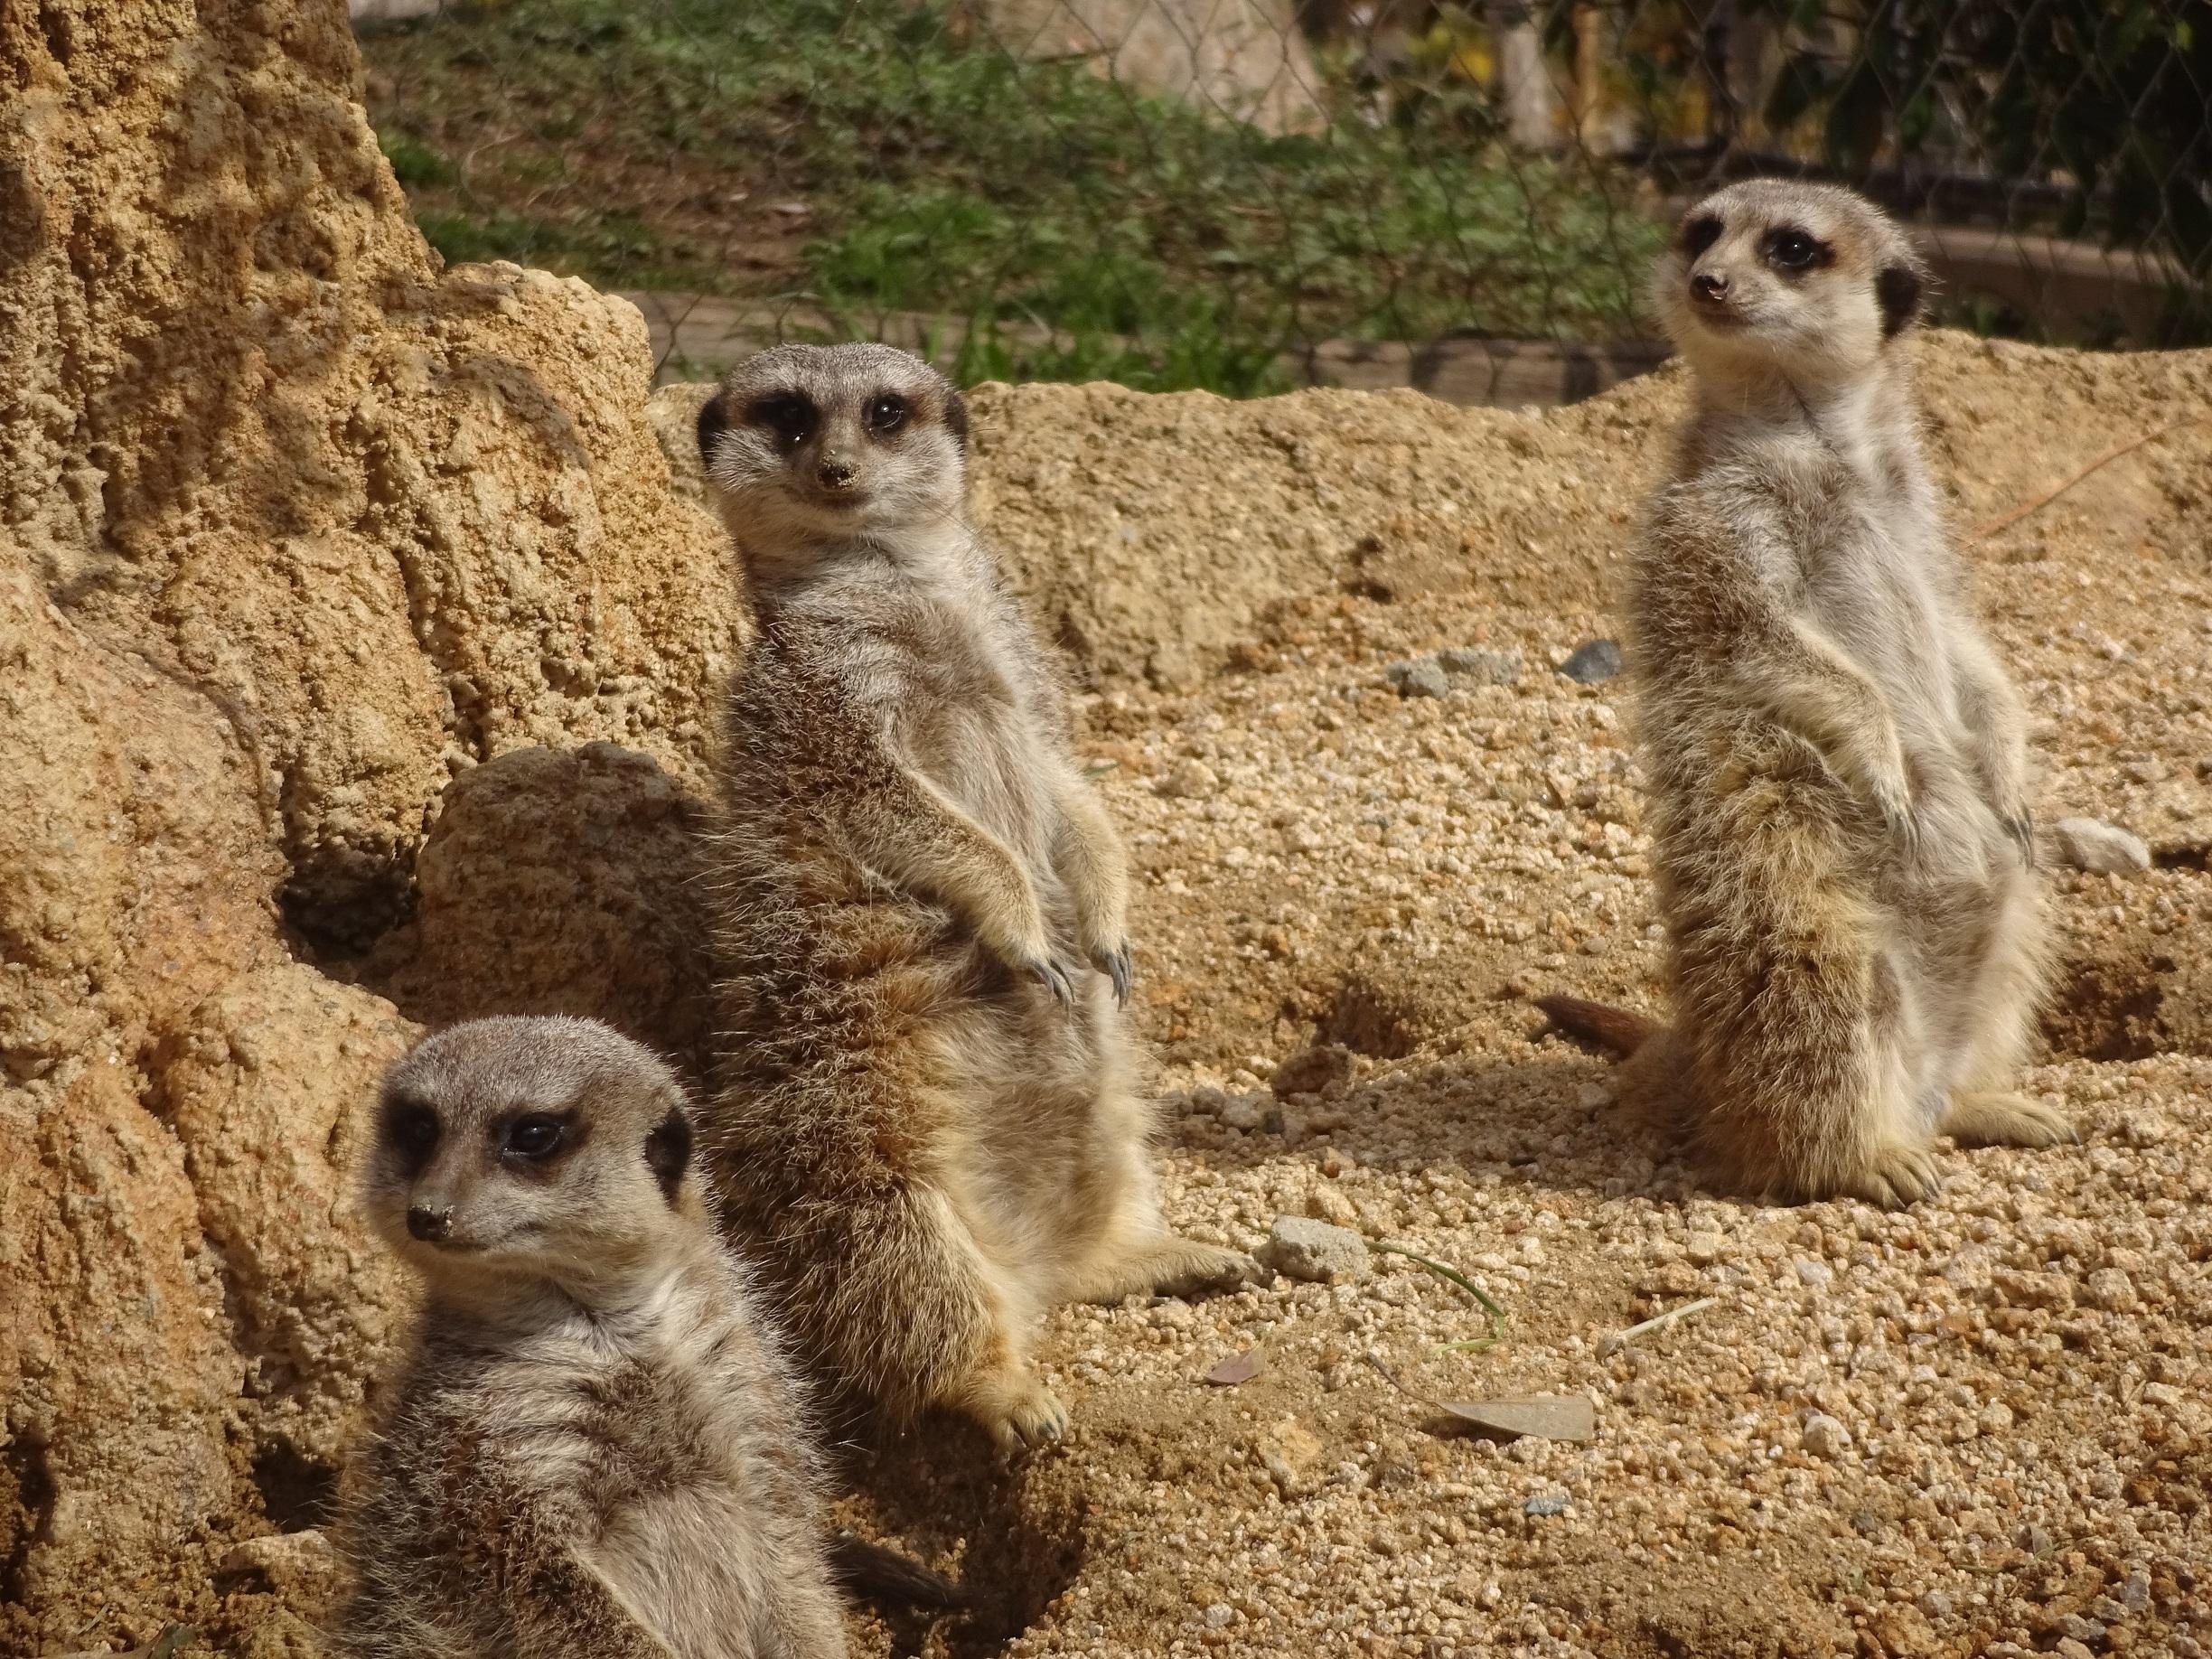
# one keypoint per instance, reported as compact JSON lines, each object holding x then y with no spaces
{"x":594,"y":1450}
{"x":1837,"y":764}
{"x":928,"y":1129}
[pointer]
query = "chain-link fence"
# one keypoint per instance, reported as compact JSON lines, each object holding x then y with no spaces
{"x":1252,"y":194}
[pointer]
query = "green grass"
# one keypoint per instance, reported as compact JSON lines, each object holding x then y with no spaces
{"x":861,"y":155}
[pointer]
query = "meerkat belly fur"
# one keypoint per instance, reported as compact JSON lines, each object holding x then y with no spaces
{"x":1838,"y":767}
{"x":930,"y":1127}
{"x":594,"y":1449}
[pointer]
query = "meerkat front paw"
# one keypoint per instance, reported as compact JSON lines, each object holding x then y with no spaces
{"x":1894,"y":1177}
{"x":2006,"y":1120}
{"x":1115,"y":965}
{"x":1021,"y":1413}
{"x":1054,"y":976}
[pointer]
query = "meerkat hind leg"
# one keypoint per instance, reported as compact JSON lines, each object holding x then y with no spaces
{"x":1992,"y":1119}
{"x":1163,"y":1265}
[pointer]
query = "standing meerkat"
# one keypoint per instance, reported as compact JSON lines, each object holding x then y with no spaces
{"x":1837,"y":764}
{"x":595,"y":1450}
{"x":929,"y":1128}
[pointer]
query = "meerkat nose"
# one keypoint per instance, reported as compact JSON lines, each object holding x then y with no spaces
{"x":835,"y":474}
{"x":427,"y":1224}
{"x":1705,"y":285}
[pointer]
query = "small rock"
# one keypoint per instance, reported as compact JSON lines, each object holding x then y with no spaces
{"x":1996,"y":1418}
{"x":1242,"y":1112}
{"x":1824,"y":1437}
{"x":2052,"y":1291}
{"x":2104,"y":849}
{"x":1291,"y":1454}
{"x":1492,"y":668}
{"x":1595,"y":660}
{"x":2086,"y":1631}
{"x":1546,"y":1504}
{"x":2111,"y":1290}
{"x":2147,"y":1128}
{"x":1326,"y":1202}
{"x":1323,"y":1068}
{"x":2135,"y":1591}
{"x":1937,"y":1604}
{"x":1704,"y":1249}
{"x":1300,"y":1248}
{"x":2070,"y":1647}
{"x":1191,"y":780}
{"x":299,"y":1565}
{"x":1815,"y":1274}
{"x":1423,"y":677}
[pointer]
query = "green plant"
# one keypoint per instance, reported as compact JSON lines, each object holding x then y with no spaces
{"x":865,"y":156}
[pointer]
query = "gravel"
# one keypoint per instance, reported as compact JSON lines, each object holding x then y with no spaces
{"x":2016,"y":1371}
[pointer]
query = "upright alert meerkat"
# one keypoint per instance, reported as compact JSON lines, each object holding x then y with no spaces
{"x":1837,"y":764}
{"x":594,"y":1450}
{"x":929,"y":1129}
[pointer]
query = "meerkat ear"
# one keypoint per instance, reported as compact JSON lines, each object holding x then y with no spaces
{"x":1898,"y":289}
{"x":667,"y":1151}
{"x":712,"y":424}
{"x":956,"y":419}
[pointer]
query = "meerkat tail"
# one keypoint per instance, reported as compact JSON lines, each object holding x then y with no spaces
{"x":870,"y":1573}
{"x":1619,"y":1030}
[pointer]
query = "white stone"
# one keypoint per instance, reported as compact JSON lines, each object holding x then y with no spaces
{"x":2088,"y":844}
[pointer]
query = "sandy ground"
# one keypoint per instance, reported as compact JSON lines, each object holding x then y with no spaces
{"x":1979,"y":1426}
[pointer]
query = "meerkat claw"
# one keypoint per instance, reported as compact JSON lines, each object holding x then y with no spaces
{"x":2020,"y":827}
{"x":1054,"y":979}
{"x":1116,"y":966}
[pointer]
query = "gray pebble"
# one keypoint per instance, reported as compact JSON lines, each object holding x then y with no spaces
{"x":1423,"y":677}
{"x":1546,"y":1504}
{"x":1824,"y":1437}
{"x":2088,"y":844}
{"x":1300,"y":1248}
{"x":1595,"y":660}
{"x":1492,"y":668}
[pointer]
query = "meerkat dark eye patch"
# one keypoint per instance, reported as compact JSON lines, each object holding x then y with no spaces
{"x":667,"y":1153}
{"x":410,"y":1129}
{"x":1794,"y":250}
{"x":536,"y":1136}
{"x":1898,"y":291}
{"x":886,"y":412}
{"x":1700,"y":233}
{"x":790,"y":416}
{"x":712,"y":424}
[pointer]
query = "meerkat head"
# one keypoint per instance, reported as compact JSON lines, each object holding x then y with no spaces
{"x":1809,"y":281}
{"x":511,"y":1150}
{"x":811,"y":447}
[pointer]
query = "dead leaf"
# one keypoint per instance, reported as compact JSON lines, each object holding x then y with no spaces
{"x":1547,"y":1416}
{"x":1238,"y":1368}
